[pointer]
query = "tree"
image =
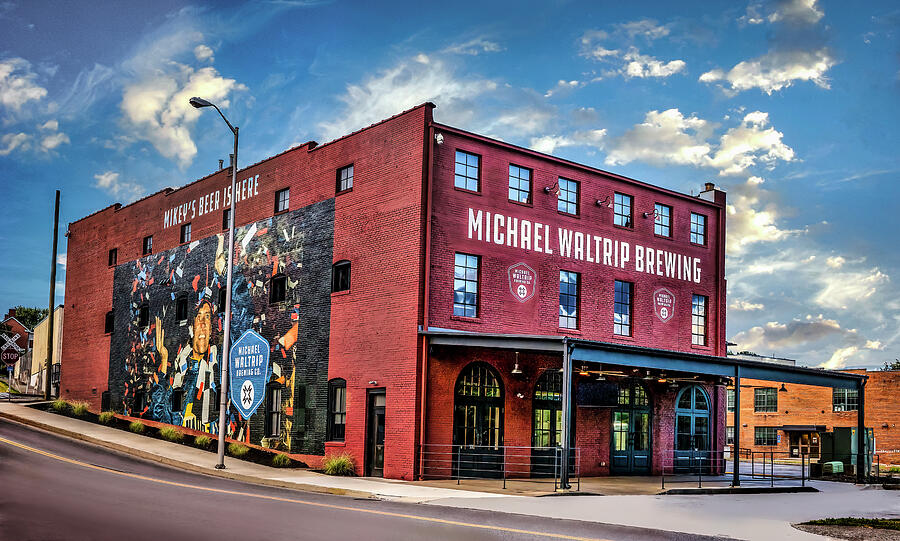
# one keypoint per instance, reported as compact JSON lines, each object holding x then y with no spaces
{"x":30,"y":316}
{"x":891,"y":365}
{"x":4,"y":327}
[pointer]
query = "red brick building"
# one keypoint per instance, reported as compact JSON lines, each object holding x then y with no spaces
{"x":434,"y":300}
{"x":792,"y":421}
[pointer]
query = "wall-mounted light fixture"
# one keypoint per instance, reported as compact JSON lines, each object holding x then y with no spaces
{"x":554,"y":188}
{"x":584,"y":371}
{"x":516,"y":369}
{"x":439,"y":138}
{"x":783,"y":389}
{"x":653,"y":215}
{"x":373,"y":382}
{"x":606,"y":202}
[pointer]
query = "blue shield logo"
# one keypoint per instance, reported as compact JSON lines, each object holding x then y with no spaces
{"x":248,"y":372}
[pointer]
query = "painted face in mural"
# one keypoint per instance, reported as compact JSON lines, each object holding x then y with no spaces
{"x":202,"y":330}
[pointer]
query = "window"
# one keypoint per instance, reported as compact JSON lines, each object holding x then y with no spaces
{"x":113,"y":256}
{"x":140,"y":403}
{"x":273,"y":410}
{"x":181,"y":309}
{"x":622,"y":210}
{"x":765,"y":435}
{"x":568,"y":299}
{"x":282,"y":200}
{"x":466,"y":174}
{"x":178,"y":400}
{"x":144,"y":315}
{"x":662,"y":225}
{"x":729,"y":398}
{"x":729,"y":435}
{"x":765,"y":399}
{"x":845,"y":400}
{"x":110,"y":323}
{"x":519,"y":184}
{"x":568,"y":196}
{"x":222,"y":300}
{"x":147,"y":245}
{"x":277,"y":288}
{"x":186,"y":233}
{"x":698,"y":320}
{"x":340,"y":276}
{"x":337,"y":409}
{"x":465,"y":285}
{"x":622,"y":308}
{"x":345,"y":179}
{"x":698,"y":229}
{"x":226,"y":218}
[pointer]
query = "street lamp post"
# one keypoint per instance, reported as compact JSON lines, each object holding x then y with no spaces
{"x":226,"y":340}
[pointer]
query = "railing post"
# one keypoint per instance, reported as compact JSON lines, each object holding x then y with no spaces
{"x":752,"y":464}
{"x":700,"y":472}
{"x":458,"y":453}
{"x":504,"y":468}
{"x":772,"y":467}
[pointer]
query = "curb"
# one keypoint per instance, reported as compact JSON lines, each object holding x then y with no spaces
{"x":737,"y":490}
{"x":187,"y":466}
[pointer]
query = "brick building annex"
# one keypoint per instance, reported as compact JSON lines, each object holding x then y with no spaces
{"x":433,"y":299}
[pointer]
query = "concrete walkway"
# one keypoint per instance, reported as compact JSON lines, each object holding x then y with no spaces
{"x":758,"y":516}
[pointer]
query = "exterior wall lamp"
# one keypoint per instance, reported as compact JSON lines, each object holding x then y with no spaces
{"x":554,"y":188}
{"x":605,"y":202}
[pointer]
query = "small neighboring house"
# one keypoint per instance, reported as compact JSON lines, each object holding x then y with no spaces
{"x":22,"y":336}
{"x":36,"y":372}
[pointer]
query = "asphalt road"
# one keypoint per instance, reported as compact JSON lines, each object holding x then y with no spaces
{"x":56,"y":488}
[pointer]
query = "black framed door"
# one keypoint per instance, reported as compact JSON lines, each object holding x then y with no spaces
{"x":691,"y":452}
{"x":376,"y":401}
{"x":630,"y":431}
{"x":546,"y":423}
{"x":478,"y":423}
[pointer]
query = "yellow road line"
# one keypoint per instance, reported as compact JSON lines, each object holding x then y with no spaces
{"x":289,"y":500}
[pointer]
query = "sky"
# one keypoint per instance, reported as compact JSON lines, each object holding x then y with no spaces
{"x":791,"y":107}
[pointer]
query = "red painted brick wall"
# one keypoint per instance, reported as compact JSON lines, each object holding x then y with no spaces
{"x":810,"y":405}
{"x":500,"y":312}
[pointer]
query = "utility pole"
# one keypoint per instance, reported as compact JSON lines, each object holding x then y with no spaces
{"x":52,"y":300}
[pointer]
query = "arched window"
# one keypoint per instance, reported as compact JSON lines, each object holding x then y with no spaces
{"x":340,"y":276}
{"x":478,"y":418}
{"x":692,"y":419}
{"x":337,"y":409}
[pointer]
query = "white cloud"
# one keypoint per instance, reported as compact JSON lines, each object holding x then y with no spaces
{"x":743,"y":146}
{"x":638,"y":65}
{"x":840,"y":357}
{"x":548,"y":143}
{"x":563,"y":86}
{"x":752,"y":218}
{"x":405,"y":85}
{"x":797,"y":11}
{"x":51,"y":141}
{"x":646,"y":28}
{"x":779,"y":336}
{"x":835,"y":262}
{"x":842,"y":289}
{"x":203,"y":53}
{"x":475,"y":47}
{"x":11,"y":141}
{"x":775,"y":70}
{"x":18,"y":84}
{"x":110,"y":182}
{"x":745,"y":306}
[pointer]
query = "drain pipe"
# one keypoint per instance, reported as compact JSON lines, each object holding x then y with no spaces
{"x":567,"y":415}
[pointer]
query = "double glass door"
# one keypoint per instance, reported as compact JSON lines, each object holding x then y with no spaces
{"x":630,"y":453}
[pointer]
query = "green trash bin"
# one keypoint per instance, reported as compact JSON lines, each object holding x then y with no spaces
{"x":832,"y":468}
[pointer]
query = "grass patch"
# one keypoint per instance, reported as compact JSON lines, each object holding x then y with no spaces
{"x":881,"y":523}
{"x":80,"y":408}
{"x":137,"y":427}
{"x":203,"y":442}
{"x":281,"y":460}
{"x":4,"y":388}
{"x":60,"y":406}
{"x":238,"y":450}
{"x":169,"y":433}
{"x":339,"y":464}
{"x":106,"y":417}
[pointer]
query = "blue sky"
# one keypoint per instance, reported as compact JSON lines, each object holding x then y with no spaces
{"x":791,"y":106}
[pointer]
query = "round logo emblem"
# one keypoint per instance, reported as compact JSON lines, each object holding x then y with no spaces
{"x":664,"y":312}
{"x":247,"y":393}
{"x":522,"y":291}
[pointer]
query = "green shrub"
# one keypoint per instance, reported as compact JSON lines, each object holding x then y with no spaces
{"x":137,"y":427}
{"x":80,"y":408}
{"x":238,"y":450}
{"x":281,"y":460}
{"x":341,"y":464}
{"x":202,"y":442}
{"x":106,"y":417}
{"x":60,"y":406}
{"x":171,"y":434}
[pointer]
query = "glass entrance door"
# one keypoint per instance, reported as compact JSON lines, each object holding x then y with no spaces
{"x":375,"y":434}
{"x":630,"y":453}
{"x":691,"y":431}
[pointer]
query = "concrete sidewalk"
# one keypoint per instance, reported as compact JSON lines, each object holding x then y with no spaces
{"x":195,"y":460}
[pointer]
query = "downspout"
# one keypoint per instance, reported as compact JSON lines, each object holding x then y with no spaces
{"x":429,"y":158}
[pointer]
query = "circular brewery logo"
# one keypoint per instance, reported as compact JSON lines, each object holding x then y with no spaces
{"x":247,"y":394}
{"x":522,"y":281}
{"x":663,"y":304}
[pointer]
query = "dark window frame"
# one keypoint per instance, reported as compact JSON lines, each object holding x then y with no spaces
{"x":144,"y":315}
{"x":109,"y":323}
{"x":341,"y":179}
{"x":699,"y":320}
{"x":113,"y":257}
{"x":278,"y":294}
{"x":222,"y":300}
{"x":466,"y":167}
{"x":178,"y":399}
{"x":662,"y":221}
{"x":847,"y":401}
{"x":617,"y":303}
{"x":273,"y":410}
{"x":147,"y":245}
{"x":282,"y":200}
{"x":181,"y":308}
{"x":185,"y":233}
{"x":729,"y":400}
{"x":619,"y":206}
{"x":766,"y":436}
{"x":461,"y":309}
{"x":340,"y":276}
{"x":226,"y":219}
{"x":698,"y":229}
{"x":569,"y":196}
{"x":519,"y":179}
{"x":765,"y":400}
{"x":729,"y":435}
{"x":563,"y":317}
{"x":336,"y":431}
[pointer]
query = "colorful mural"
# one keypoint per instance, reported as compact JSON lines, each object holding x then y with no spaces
{"x":165,"y":355}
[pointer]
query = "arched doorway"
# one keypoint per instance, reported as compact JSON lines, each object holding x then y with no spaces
{"x":547,"y":422}
{"x":478,"y":422}
{"x":630,"y":446}
{"x":691,"y":430}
